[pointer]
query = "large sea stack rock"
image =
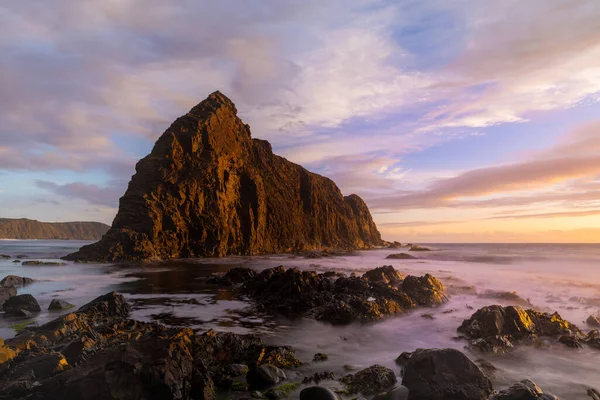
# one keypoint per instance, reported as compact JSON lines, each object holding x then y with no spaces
{"x":209,"y":189}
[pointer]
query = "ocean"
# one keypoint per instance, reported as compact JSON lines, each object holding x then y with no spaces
{"x":548,"y":277}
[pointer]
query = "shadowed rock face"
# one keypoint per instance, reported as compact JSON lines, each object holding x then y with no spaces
{"x":209,"y":189}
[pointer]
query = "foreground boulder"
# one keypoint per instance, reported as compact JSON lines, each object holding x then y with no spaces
{"x":377,"y":294}
{"x":21,"y":305}
{"x":524,"y":390}
{"x":13,"y":280}
{"x":496,"y":328}
{"x":370,"y":380}
{"x":209,"y":189}
{"x":434,"y":374}
{"x":98,"y":353}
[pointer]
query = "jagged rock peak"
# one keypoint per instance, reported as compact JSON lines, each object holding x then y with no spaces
{"x":209,"y":189}
{"x":214,"y":102}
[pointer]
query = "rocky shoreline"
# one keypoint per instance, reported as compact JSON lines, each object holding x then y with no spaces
{"x":98,"y":352}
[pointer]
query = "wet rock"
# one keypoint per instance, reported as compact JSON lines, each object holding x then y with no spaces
{"x":401,"y":256}
{"x":264,"y":376}
{"x":593,"y":321}
{"x":43,"y":263}
{"x":424,"y":290}
{"x":444,"y":374}
{"x":512,"y":298}
{"x":320,"y":357}
{"x":386,"y":274}
{"x":394,"y":245}
{"x":21,"y":304}
{"x":415,"y":247}
{"x":592,"y":339}
{"x":5,"y":256}
{"x":318,"y":377}
{"x":238,"y":369}
{"x":570,"y":341}
{"x":487,"y":367}
{"x":370,"y":380}
{"x":16,"y":261}
{"x":524,"y":390}
{"x":397,"y":393}
{"x":318,"y":393}
{"x":403,"y":358}
{"x":108,"y":305}
{"x":6,"y":292}
{"x":37,"y":367}
{"x":233,"y":277}
{"x":57,"y":304}
{"x":21,"y":256}
{"x":496,"y":328}
{"x":17,"y":281}
{"x":282,"y":391}
{"x":305,"y":293}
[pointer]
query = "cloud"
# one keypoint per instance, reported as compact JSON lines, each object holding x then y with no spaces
{"x":528,"y":181}
{"x":103,"y":196}
{"x":564,"y":214}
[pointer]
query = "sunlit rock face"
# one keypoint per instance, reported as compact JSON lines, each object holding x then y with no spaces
{"x":209,"y":189}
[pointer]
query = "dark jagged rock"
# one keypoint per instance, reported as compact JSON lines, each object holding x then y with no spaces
{"x":13,"y":280}
{"x":21,"y":304}
{"x":293,"y":292}
{"x":98,"y":353}
{"x":401,"y":256}
{"x":6,"y":292}
{"x":43,"y":263}
{"x":318,"y":357}
{"x":424,"y":290}
{"x":438,"y":374}
{"x":496,"y":328}
{"x":524,"y":390}
{"x":209,"y":189}
{"x":318,"y":377}
{"x":264,"y":376}
{"x":57,"y":304}
{"x":370,"y":380}
{"x":386,"y":274}
{"x":23,"y":228}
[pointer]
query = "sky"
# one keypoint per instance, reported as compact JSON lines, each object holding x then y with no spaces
{"x":455,"y":120}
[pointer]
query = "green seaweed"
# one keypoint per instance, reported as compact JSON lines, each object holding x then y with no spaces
{"x":20,"y":327}
{"x":282,"y":391}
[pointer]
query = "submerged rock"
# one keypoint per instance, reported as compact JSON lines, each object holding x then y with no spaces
{"x":56,"y":304}
{"x":524,"y":390}
{"x":209,"y":189}
{"x":370,"y":380}
{"x":415,"y":247}
{"x":43,"y":263}
{"x":318,"y":377}
{"x":508,"y":297}
{"x":496,"y":328}
{"x":13,"y":280}
{"x":433,"y":374}
{"x":21,"y":305}
{"x":401,"y":256}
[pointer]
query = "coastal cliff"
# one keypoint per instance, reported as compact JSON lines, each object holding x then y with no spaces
{"x":23,"y":228}
{"x":208,"y":189}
